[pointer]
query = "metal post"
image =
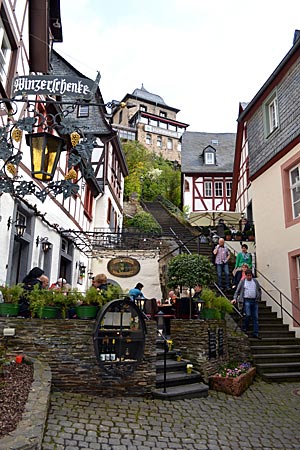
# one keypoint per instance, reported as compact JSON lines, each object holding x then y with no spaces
{"x":165,"y":364}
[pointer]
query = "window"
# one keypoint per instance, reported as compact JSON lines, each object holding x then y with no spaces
{"x":158,"y":141}
{"x":163,"y":114}
{"x":170,"y":144}
{"x":129,"y":135}
{"x":5,"y":53}
{"x":143,"y":108}
{"x":209,"y":158}
{"x":209,"y":155}
{"x":208,"y":189}
{"x":109,"y":211}
{"x":295,"y":190}
{"x":144,"y":120}
{"x":153,"y":122}
{"x":148,"y":139}
{"x":88,"y":202}
{"x":163,"y":125}
{"x":271,"y":115}
{"x":83,"y":111}
{"x":186,"y":186}
{"x":228,"y":188}
{"x":172,"y":127}
{"x":218,"y":189}
{"x":290,"y":172}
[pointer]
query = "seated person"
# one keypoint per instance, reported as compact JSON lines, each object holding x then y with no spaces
{"x":136,"y":292}
{"x":100,"y":282}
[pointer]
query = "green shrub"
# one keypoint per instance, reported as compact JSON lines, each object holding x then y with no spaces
{"x":144,"y":222}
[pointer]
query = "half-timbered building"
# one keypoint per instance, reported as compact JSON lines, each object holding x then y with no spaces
{"x":54,"y":225}
{"x":206,"y":166}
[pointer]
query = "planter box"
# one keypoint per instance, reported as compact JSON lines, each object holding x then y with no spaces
{"x":209,"y":314}
{"x":9,"y":309}
{"x":233,"y":386}
{"x":86,"y":311}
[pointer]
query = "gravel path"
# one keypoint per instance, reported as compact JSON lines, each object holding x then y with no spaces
{"x":15,"y":384}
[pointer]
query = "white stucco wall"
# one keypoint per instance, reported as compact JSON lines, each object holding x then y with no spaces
{"x":273,"y":239}
{"x":148,"y":275}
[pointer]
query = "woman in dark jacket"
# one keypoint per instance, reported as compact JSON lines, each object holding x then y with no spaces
{"x":29,"y":281}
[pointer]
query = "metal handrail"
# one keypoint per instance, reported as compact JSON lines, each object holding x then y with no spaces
{"x":182,"y":244}
{"x":281,"y":294}
{"x":171,"y":207}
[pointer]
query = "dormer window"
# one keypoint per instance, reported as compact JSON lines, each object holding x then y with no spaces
{"x":209,"y":156}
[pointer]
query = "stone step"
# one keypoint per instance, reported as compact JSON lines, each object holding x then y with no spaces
{"x":276,"y":357}
{"x":171,"y":365}
{"x":274,"y":340}
{"x":181,"y":392}
{"x":274,"y":349}
{"x":276,"y":333}
{"x":281,"y":377}
{"x":265,"y":326}
{"x":178,"y":378}
{"x":288,"y":367}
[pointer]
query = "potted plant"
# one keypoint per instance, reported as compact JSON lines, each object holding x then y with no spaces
{"x":238,"y":236}
{"x":223,"y":306}
{"x":11,"y":296}
{"x":43,"y":303}
{"x":233,"y":378}
{"x":209,"y":311}
{"x":227,"y":234}
{"x":94,"y":298}
{"x":250,"y":234}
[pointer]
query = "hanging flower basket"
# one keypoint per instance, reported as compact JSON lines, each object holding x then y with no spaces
{"x":233,"y":381}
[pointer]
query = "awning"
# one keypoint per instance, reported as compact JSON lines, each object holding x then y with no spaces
{"x":211,"y":218}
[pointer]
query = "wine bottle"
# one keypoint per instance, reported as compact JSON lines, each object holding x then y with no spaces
{"x":113,"y":350}
{"x":101,"y":351}
{"x":106,"y":350}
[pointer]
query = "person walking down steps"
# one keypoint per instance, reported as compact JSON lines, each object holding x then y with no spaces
{"x":248,"y":292}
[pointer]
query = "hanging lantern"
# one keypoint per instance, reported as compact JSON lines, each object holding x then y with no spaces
{"x":45,"y":149}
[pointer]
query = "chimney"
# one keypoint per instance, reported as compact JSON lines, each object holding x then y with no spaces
{"x":296,"y":36}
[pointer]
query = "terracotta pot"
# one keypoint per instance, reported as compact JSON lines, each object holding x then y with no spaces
{"x":233,"y":386}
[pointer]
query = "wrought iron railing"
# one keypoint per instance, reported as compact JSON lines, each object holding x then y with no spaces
{"x":281,"y":295}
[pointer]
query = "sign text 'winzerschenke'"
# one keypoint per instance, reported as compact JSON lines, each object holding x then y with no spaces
{"x":51,"y":85}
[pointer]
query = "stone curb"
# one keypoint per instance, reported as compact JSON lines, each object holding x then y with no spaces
{"x":30,"y":431}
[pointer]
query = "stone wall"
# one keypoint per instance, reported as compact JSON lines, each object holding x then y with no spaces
{"x":67,"y":346}
{"x":192,"y":337}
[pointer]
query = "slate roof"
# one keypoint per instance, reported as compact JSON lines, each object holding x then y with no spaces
{"x":96,"y":122}
{"x":144,"y":94}
{"x":193,"y":145}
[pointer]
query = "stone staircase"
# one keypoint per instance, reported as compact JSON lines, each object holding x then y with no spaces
{"x":277,"y":355}
{"x":186,"y":233}
{"x":179,"y":384}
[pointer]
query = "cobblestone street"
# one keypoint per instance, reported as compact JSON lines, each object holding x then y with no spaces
{"x":266,"y":416}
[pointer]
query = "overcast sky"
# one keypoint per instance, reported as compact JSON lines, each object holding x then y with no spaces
{"x":201,"y":56}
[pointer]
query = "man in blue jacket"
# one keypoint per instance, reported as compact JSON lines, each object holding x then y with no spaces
{"x":248,"y":292}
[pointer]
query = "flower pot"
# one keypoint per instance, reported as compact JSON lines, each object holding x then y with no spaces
{"x":48,"y":312}
{"x":86,"y":311}
{"x":9,"y":309}
{"x":209,"y":314}
{"x":230,"y":385}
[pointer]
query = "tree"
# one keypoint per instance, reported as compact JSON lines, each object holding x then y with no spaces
{"x":189,"y":270}
{"x":150,"y":175}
